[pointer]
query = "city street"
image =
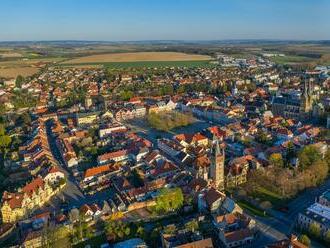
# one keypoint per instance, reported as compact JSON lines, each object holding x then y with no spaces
{"x":71,"y":194}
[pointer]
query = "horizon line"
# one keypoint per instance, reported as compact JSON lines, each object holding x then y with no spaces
{"x":168,"y":40}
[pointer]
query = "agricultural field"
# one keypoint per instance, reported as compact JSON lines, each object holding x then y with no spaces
{"x":15,"y":71}
{"x":138,"y":57}
{"x":291,"y":59}
{"x":144,"y":64}
{"x":24,"y":66}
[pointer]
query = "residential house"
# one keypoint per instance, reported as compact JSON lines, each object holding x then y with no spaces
{"x":192,"y":139}
{"x":116,"y":156}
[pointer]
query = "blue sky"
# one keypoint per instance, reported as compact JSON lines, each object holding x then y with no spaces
{"x":117,"y":20}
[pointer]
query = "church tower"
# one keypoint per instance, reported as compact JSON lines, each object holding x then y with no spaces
{"x":217,"y":169}
{"x":306,"y":100}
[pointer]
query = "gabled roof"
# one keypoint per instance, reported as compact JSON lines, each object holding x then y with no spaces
{"x":33,"y":186}
{"x":85,"y":208}
{"x":190,"y":138}
{"x":112,"y":155}
{"x":94,"y":171}
{"x":212,"y":195}
{"x":238,"y":235}
{"x":204,"y":243}
{"x":228,"y":218}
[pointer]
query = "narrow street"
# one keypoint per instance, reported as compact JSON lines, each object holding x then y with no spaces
{"x":71,"y":194}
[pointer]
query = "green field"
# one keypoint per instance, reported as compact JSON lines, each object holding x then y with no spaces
{"x":252,"y":209}
{"x":266,"y":195}
{"x":148,"y":64}
{"x":291,"y":59}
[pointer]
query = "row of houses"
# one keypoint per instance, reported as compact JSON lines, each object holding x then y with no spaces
{"x":47,"y":178}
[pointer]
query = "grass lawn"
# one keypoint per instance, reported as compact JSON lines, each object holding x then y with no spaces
{"x":94,"y":242}
{"x":266,"y":195}
{"x":167,"y":121}
{"x":252,"y":209}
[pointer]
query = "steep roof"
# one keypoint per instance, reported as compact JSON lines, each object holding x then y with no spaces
{"x":212,"y":195}
{"x":204,"y":243}
{"x":238,"y":235}
{"x":112,"y":155}
{"x":33,"y":186}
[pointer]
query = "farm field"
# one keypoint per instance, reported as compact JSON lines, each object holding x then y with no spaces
{"x":15,"y":71}
{"x":291,"y":59}
{"x":23,"y":67}
{"x":143,"y":64}
{"x":137,"y":57}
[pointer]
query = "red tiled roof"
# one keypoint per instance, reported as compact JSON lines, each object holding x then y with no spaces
{"x":189,"y":138}
{"x":238,"y":235}
{"x":213,"y":195}
{"x":33,"y":186}
{"x":228,"y":218}
{"x":100,"y":169}
{"x":85,"y":208}
{"x":112,"y":155}
{"x":204,"y":243}
{"x":14,"y":200}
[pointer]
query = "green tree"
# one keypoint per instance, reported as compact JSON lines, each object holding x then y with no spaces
{"x":24,"y":119}
{"x":290,"y":153}
{"x":276,"y":159}
{"x":327,"y":158}
{"x":117,"y":230}
{"x":262,"y":137}
{"x":305,"y":240}
{"x":308,"y":155}
{"x":48,"y":237}
{"x":5,"y":141}
{"x":315,"y":230}
{"x":126,"y":95}
{"x":327,"y":237}
{"x":166,"y":89}
{"x":19,"y":81}
{"x":55,"y":237}
{"x":140,"y":232}
{"x":192,"y":225}
{"x":170,"y":229}
{"x":81,"y":229}
{"x":169,"y":200}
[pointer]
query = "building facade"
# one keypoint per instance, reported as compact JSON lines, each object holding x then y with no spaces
{"x":15,"y":206}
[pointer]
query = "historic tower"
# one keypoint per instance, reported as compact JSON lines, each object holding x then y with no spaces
{"x":306,"y":102}
{"x":217,"y":169}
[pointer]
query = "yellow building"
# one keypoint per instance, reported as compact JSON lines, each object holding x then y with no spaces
{"x":15,"y":206}
{"x":87,"y":118}
{"x":237,"y":175}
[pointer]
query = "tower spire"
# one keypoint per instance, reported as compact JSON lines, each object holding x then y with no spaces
{"x":305,"y":87}
{"x":217,"y":169}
